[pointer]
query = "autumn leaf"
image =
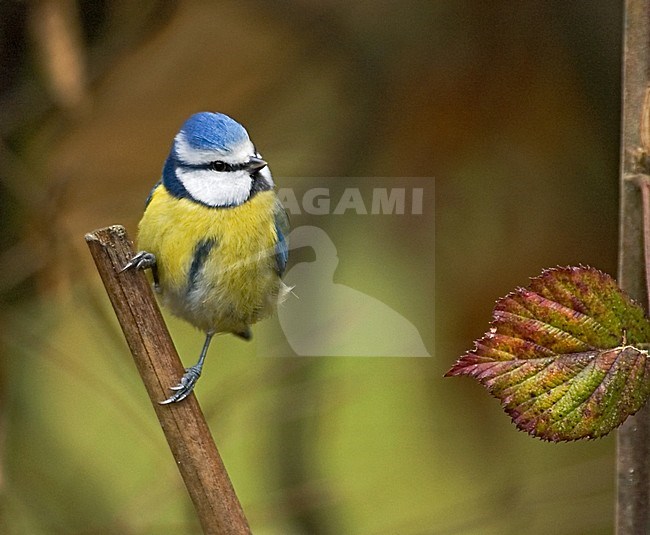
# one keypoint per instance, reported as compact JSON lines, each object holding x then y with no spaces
{"x":565,"y":356}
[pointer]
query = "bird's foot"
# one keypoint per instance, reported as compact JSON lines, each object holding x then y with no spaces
{"x":141,"y":261}
{"x":185,"y":387}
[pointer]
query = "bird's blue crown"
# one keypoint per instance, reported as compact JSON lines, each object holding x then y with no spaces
{"x":210,"y":131}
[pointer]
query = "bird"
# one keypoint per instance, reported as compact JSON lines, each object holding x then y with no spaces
{"x":214,"y":234}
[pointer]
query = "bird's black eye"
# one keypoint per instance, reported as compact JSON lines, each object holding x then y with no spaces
{"x":218,"y":166}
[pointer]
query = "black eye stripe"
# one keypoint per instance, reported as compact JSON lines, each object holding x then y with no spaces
{"x":223,"y":167}
{"x":218,"y":165}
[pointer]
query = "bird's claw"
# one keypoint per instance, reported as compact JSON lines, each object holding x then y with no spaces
{"x":144,"y":260}
{"x":141,"y":260}
{"x":185,"y":386}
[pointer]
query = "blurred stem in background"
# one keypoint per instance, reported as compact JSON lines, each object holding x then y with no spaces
{"x":56,"y":34}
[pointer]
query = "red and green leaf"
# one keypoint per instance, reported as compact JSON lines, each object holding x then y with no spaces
{"x":564,"y":355}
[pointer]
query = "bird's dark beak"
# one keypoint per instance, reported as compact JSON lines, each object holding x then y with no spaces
{"x":255,"y":164}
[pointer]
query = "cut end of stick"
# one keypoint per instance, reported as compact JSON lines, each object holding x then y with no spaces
{"x":114,"y":230}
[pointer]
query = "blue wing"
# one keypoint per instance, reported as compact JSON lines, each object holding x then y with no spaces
{"x":151,"y":193}
{"x":281,"y":246}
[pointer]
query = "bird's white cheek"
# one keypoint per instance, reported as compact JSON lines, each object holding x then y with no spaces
{"x":216,"y":189}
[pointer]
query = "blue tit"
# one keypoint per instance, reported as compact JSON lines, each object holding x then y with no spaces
{"x":213,"y":234}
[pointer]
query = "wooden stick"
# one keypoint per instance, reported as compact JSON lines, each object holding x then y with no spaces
{"x":157,"y":361}
{"x":633,"y":437}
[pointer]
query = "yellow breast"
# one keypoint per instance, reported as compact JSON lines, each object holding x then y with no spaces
{"x":216,"y":265}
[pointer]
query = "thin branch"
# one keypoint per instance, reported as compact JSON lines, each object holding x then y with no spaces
{"x":183,"y":424}
{"x":633,"y":439}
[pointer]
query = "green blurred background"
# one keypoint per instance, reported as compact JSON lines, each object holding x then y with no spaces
{"x":510,"y":113}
